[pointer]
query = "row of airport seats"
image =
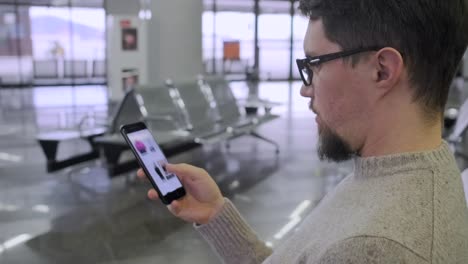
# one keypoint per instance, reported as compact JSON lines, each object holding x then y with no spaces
{"x":181,"y":117}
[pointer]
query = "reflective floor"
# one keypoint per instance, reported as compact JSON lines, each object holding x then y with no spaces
{"x":82,"y":216}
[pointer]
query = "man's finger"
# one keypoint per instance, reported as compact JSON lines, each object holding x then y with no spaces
{"x":153,"y":195}
{"x":184,"y":170}
{"x":141,"y":175}
{"x":175,"y":208}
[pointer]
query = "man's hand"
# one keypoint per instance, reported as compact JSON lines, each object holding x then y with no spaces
{"x":203,"y":200}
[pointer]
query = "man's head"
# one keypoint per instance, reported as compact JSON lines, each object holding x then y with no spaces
{"x":420,"y":45}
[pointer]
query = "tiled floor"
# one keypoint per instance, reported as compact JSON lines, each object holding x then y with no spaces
{"x":84,"y":217}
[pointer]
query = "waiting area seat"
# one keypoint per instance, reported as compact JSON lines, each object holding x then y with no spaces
{"x":50,"y":141}
{"x":465,"y":184}
{"x":181,"y":117}
{"x":458,"y":138}
{"x":160,"y":120}
{"x":457,"y":135}
{"x":229,"y":109}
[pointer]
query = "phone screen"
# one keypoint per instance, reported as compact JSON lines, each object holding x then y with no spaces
{"x":154,"y":160}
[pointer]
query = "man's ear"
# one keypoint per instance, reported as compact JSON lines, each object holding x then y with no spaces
{"x":388,"y":68}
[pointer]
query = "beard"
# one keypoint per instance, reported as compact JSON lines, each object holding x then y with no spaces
{"x":332,"y":147}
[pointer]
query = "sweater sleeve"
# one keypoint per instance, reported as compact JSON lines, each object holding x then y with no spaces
{"x":232,"y":238}
{"x":368,"y":249}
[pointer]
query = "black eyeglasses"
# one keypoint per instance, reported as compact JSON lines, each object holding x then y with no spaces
{"x":304,"y":65}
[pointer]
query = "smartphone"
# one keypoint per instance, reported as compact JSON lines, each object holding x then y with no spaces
{"x":153,"y":161}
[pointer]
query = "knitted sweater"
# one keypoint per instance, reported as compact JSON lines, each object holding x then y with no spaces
{"x":406,"y":208}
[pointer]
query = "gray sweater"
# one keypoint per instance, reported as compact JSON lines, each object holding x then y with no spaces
{"x":407,"y":208}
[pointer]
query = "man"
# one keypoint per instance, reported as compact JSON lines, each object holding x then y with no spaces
{"x":377,"y":73}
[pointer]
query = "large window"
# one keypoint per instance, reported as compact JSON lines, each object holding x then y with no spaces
{"x":51,"y":45}
{"x":75,"y":33}
{"x":235,"y":21}
{"x":300,"y":27}
{"x":15,"y":45}
{"x":274,"y":31}
{"x":222,"y":27}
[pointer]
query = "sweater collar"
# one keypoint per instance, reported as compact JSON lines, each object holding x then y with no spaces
{"x":391,"y":164}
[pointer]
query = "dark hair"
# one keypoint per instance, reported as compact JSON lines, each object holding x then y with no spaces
{"x":432,"y":36}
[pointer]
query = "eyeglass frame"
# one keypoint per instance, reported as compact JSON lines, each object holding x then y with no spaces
{"x":315,"y":61}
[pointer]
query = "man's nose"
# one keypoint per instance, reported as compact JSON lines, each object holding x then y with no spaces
{"x":307,"y":91}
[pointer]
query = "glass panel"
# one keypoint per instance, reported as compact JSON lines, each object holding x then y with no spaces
{"x":51,"y":31}
{"x":88,"y":33}
{"x":274,"y":41}
{"x":68,"y":44}
{"x":25,"y":45}
{"x":88,"y":42}
{"x":15,"y":45}
{"x":243,"y":31}
{"x":225,"y":31}
{"x":300,"y":28}
{"x":207,"y":40}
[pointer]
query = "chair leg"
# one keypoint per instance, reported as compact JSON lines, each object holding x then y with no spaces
{"x":258,"y":136}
